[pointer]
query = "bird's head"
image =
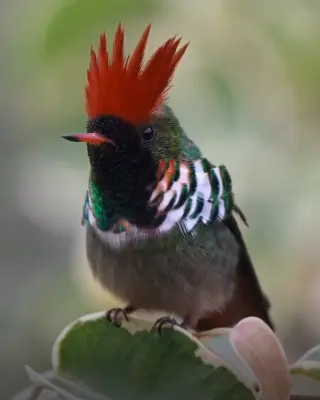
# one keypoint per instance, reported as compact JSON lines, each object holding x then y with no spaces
{"x":125,"y":99}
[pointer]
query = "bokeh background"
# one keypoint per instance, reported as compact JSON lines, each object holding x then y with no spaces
{"x":248,"y":91}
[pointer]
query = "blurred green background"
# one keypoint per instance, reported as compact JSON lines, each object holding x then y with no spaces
{"x":248,"y":91}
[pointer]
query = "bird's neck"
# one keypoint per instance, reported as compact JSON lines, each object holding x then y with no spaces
{"x":187,"y":195}
{"x":121,"y":190}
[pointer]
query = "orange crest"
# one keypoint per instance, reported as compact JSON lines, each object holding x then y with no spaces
{"x":126,"y":88}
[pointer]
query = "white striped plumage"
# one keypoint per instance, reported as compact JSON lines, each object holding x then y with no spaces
{"x":199,"y":173}
{"x":204,"y":191}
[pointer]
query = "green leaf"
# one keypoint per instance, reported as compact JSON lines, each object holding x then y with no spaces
{"x":307,"y":368}
{"x":308,"y":364}
{"x":134,"y":362}
{"x":81,"y":20}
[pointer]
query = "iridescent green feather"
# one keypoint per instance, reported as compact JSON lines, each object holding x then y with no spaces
{"x":103,"y":211}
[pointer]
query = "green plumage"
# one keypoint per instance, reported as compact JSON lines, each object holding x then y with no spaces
{"x":103,"y":210}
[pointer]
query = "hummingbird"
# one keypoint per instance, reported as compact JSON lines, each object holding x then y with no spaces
{"x":160,"y":218}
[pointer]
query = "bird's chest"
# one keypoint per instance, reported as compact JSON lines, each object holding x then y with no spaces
{"x":166,"y":276}
{"x":137,"y":273}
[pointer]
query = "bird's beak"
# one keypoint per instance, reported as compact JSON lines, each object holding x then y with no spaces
{"x":92,"y":138}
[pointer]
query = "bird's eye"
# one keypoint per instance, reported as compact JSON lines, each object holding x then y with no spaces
{"x":148,"y":134}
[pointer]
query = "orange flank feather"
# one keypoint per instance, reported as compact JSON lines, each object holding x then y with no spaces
{"x":170,"y":172}
{"x":127,"y":88}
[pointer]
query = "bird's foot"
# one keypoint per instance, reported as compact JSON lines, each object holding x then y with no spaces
{"x":117,"y":315}
{"x":169,"y":321}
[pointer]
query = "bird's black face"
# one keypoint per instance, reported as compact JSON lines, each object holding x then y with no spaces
{"x":115,"y":132}
{"x":116,"y":149}
{"x":109,"y":133}
{"x":109,"y":138}
{"x":122,"y":167}
{"x":119,"y":139}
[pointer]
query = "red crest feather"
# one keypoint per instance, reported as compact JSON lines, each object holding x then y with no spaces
{"x":125,"y":87}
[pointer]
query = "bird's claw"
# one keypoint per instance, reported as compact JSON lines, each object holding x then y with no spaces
{"x":167,"y":320}
{"x":116,"y":316}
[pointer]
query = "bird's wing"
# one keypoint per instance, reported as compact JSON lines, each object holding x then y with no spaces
{"x":208,"y":196}
{"x":248,"y":298}
{"x":191,"y":192}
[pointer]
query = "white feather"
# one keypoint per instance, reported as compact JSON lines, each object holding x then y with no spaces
{"x":222,"y":210}
{"x":174,"y":216}
{"x":166,"y":199}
